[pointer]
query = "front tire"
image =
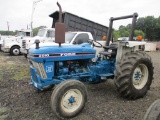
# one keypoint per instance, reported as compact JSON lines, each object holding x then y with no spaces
{"x":153,"y":112}
{"x":134,"y":74}
{"x":68,"y":98}
{"x":15,"y":50}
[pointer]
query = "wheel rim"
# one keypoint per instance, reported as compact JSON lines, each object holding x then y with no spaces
{"x":16,"y":51}
{"x":71,"y":100}
{"x":140,"y":76}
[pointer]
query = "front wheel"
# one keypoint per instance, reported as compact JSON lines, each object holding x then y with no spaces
{"x":15,"y":50}
{"x":134,"y":74}
{"x":153,"y":112}
{"x":68,"y":98}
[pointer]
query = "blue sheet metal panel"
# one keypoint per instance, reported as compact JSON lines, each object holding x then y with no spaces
{"x":56,"y":53}
{"x":103,"y":67}
{"x":49,"y":68}
{"x":38,"y":82}
{"x":57,"y":49}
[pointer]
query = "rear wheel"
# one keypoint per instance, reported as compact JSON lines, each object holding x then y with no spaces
{"x":68,"y":98}
{"x":15,"y":50}
{"x":134,"y":74}
{"x":153,"y":112}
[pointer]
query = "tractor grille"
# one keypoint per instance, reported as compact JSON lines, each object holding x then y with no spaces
{"x":23,"y":43}
{"x":35,"y":78}
{"x":40,"y":69}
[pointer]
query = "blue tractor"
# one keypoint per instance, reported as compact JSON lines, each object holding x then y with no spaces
{"x":68,"y":67}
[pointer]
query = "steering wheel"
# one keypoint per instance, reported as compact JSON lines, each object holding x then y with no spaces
{"x":92,"y":42}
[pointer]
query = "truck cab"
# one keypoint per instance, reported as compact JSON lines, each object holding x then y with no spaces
{"x":12,"y":45}
{"x":83,"y":37}
{"x":44,"y":35}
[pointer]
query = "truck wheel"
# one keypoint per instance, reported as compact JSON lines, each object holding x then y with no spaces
{"x":68,"y":98}
{"x":134,"y":74}
{"x":153,"y":112}
{"x":25,"y":55}
{"x":15,"y":50}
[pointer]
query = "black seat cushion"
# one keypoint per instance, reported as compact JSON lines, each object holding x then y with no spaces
{"x":112,"y":47}
{"x":107,"y":53}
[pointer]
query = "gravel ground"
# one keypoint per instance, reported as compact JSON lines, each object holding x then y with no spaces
{"x":20,"y":101}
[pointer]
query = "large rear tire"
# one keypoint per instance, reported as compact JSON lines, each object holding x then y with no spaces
{"x":153,"y":112}
{"x":68,"y":98}
{"x":134,"y":74}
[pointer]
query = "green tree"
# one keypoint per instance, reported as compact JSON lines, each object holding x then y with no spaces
{"x":35,"y":30}
{"x":7,"y":33}
{"x":150,"y":26}
{"x":149,"y":29}
{"x":124,"y":31}
{"x":139,"y":32}
{"x":116,"y":34}
{"x":140,"y":25}
{"x":157,"y":29}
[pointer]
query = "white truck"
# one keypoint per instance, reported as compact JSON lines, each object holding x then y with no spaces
{"x":73,"y":23}
{"x":44,"y":35}
{"x":12,"y":45}
{"x":70,"y":39}
{"x":2,"y":37}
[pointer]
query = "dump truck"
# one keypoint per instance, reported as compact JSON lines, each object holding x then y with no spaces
{"x":76,"y":23}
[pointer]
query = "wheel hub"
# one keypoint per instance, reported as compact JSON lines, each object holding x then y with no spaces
{"x":16,"y":51}
{"x":71,"y":100}
{"x":140,"y":76}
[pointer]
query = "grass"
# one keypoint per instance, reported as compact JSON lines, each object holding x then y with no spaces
{"x":4,"y":112}
{"x":22,"y":73}
{"x":16,"y":72}
{"x":1,"y":76}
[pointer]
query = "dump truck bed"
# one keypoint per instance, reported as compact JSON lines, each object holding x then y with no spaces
{"x":75,"y":23}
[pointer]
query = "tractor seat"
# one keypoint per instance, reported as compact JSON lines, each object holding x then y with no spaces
{"x":113,"y":50}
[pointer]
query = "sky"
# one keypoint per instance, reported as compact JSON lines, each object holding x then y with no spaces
{"x":17,"y":13}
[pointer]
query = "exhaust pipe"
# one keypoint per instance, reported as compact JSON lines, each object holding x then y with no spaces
{"x":60,"y":28}
{"x":60,"y":12}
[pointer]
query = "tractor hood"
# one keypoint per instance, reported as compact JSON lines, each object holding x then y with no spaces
{"x":65,"y":52}
{"x":47,"y":44}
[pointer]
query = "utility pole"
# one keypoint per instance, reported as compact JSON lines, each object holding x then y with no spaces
{"x":8,"y":27}
{"x":33,"y":8}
